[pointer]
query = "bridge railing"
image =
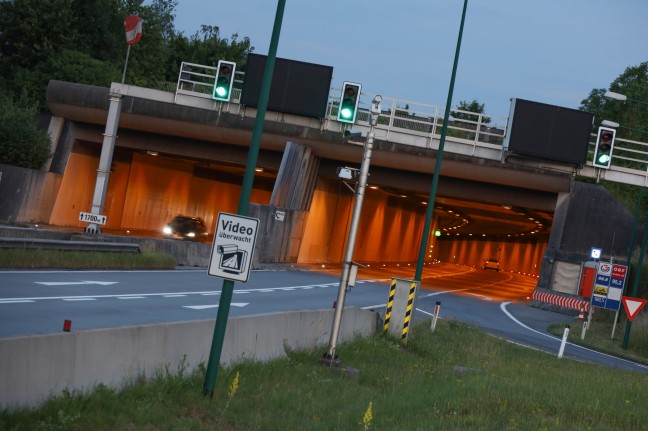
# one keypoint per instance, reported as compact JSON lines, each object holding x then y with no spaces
{"x":418,"y":120}
{"x":426,"y":120}
{"x":198,"y":80}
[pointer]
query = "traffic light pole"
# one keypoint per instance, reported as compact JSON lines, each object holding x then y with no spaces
{"x":437,"y":168}
{"x":244,"y":202}
{"x":330,"y":356}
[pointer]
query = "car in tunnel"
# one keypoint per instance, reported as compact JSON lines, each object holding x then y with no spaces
{"x":186,"y":227}
{"x":492,"y":263}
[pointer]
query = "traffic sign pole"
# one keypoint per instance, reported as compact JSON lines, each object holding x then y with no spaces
{"x":635,"y":283}
{"x":244,"y":200}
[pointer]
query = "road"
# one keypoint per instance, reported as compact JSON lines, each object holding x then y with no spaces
{"x":38,"y":302}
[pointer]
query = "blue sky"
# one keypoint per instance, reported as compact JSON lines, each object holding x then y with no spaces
{"x":550,"y":51}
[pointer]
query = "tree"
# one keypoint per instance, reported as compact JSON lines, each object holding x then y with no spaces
{"x":83,"y":41}
{"x":474,"y":106}
{"x":633,"y":82}
{"x":21,"y":143}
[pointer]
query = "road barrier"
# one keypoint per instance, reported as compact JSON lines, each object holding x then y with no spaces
{"x":53,"y":244}
{"x":37,"y":367}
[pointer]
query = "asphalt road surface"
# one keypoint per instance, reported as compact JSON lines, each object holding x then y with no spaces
{"x":38,"y":302}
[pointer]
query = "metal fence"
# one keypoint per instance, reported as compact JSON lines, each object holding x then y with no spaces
{"x":411,"y":118}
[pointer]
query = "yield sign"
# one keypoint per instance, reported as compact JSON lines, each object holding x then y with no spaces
{"x":632,"y":306}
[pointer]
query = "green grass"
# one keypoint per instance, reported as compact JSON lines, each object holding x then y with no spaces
{"x":416,"y":387}
{"x":39,"y":259}
{"x":599,"y":334}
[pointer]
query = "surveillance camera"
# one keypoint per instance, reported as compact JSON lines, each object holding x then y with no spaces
{"x":352,"y":133}
{"x":346,"y":172}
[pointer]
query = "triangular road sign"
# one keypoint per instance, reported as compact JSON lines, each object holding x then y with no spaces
{"x":632,"y":306}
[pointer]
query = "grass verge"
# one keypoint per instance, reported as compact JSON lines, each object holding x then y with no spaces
{"x":599,"y":334}
{"x":59,"y":259}
{"x":417,"y":387}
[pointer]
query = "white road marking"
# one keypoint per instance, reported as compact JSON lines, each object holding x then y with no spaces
{"x":72,"y":283}
{"x":204,"y":307}
{"x":557,"y":339}
{"x":160,"y":294}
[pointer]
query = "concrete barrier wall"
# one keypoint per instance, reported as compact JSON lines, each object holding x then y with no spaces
{"x":34,"y":368}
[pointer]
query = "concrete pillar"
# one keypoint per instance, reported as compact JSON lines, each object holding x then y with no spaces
{"x":555,"y":240}
{"x":296,"y":179}
{"x":283,"y":221}
{"x":54,"y":131}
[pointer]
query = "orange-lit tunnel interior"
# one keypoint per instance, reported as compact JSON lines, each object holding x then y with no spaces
{"x":145,"y":192}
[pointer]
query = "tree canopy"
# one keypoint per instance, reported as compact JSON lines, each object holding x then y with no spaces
{"x":84,"y":41}
{"x":633,"y":83}
{"x":473,"y":106}
{"x":632,"y":114}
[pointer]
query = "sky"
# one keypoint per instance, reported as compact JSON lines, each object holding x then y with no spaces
{"x":548,"y":51}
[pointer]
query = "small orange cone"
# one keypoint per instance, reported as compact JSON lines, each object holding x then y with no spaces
{"x":581,"y":315}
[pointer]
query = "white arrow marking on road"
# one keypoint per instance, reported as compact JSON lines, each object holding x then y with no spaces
{"x":69,"y":283}
{"x":203,"y":307}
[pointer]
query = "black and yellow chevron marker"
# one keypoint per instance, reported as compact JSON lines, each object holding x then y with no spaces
{"x":390,"y":304}
{"x":408,"y":311}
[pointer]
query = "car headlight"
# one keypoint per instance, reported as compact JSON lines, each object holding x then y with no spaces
{"x":191,"y":234}
{"x":167,"y":230}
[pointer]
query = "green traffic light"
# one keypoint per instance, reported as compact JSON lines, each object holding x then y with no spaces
{"x":603,"y":158}
{"x":221,"y":91}
{"x":346,"y":113}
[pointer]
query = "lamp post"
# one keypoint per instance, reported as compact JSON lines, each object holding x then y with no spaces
{"x":631,"y":243}
{"x":437,"y":167}
{"x":611,"y":95}
{"x":644,"y":240}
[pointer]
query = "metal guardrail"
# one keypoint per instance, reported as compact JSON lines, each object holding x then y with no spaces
{"x":68,"y":245}
{"x":423,"y":123}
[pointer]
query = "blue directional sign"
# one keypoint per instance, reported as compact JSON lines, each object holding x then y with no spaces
{"x":610,"y":282}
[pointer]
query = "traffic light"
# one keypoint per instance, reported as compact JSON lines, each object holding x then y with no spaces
{"x":349,"y":102}
{"x":604,"y":147}
{"x":224,"y":80}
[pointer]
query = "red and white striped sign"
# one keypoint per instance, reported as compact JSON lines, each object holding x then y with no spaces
{"x":561,"y":301}
{"x":133,"y":26}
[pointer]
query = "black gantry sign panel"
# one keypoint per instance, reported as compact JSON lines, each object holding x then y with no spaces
{"x":297,"y":87}
{"x":548,"y":132}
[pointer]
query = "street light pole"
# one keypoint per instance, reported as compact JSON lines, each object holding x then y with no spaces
{"x":437,"y":167}
{"x":353,"y":229}
{"x":644,"y":240}
{"x":611,"y":95}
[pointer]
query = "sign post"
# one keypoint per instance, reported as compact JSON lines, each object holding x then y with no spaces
{"x":244,"y":202}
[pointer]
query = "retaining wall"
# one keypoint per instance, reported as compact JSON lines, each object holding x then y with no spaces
{"x":34,"y":368}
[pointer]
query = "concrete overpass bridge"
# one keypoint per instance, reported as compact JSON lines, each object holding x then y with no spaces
{"x":179,"y":151}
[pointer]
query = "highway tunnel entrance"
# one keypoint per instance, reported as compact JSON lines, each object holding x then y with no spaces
{"x":147,"y":188}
